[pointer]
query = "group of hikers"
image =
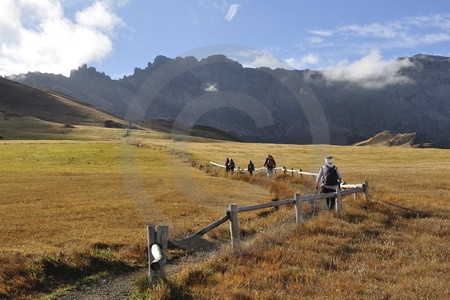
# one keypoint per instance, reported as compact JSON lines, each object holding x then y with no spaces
{"x":329,"y":178}
{"x":269,"y":164}
{"x":229,"y":165}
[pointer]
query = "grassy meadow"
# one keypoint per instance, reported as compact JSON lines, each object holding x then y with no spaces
{"x":99,"y":191}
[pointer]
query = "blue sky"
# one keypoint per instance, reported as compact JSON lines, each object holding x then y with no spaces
{"x":115,"y":36}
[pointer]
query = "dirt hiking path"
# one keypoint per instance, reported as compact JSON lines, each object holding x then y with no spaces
{"x":122,"y":286}
{"x":116,"y":287}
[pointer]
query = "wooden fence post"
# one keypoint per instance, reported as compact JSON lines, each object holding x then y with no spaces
{"x":157,"y":249}
{"x":234,"y":228}
{"x":284,"y":170}
{"x":301,"y":175}
{"x":338,"y":201}
{"x":292,"y":172}
{"x":366,"y":191}
{"x":298,"y":209}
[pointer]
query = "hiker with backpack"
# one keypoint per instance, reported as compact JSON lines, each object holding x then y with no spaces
{"x":251,"y":168}
{"x":270,"y":164}
{"x":231,"y":166}
{"x":227,"y":165}
{"x":329,"y":180}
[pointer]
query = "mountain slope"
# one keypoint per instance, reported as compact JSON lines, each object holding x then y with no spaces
{"x":264,"y":105}
{"x":35,"y":113}
{"x":21,"y":100}
{"x":390,"y":139}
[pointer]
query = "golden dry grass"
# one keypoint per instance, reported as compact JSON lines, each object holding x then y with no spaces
{"x":412,"y":176}
{"x":62,"y":195}
{"x":68,"y":195}
{"x":372,"y":251}
{"x":365,"y":254}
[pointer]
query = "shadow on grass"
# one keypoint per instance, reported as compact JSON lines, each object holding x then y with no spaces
{"x":49,"y":273}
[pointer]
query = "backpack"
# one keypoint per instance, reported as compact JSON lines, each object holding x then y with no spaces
{"x":271,"y":162}
{"x":331,"y":177}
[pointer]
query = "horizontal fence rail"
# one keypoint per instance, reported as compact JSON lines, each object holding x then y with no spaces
{"x":266,"y":205}
{"x":284,"y":169}
{"x":238,"y":168}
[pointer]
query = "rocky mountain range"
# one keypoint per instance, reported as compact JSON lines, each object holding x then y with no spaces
{"x":278,"y":106}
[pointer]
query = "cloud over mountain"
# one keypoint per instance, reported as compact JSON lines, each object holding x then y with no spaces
{"x":370,"y":72}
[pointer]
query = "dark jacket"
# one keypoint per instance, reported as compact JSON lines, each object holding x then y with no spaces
{"x":267,"y":162}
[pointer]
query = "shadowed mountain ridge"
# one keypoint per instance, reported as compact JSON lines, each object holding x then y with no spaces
{"x":264,"y":105}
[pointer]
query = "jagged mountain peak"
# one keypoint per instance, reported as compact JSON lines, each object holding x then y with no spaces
{"x":84,"y":72}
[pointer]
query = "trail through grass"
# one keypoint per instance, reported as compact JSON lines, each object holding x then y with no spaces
{"x":61,"y":197}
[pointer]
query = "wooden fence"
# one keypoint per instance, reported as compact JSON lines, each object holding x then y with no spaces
{"x":157,"y":239}
{"x":158,"y":243}
{"x":283,"y":169}
{"x":234,"y":210}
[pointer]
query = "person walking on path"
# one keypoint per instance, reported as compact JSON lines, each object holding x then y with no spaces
{"x":329,"y":180}
{"x":231,"y":166}
{"x":270,"y":164}
{"x":251,"y":168}
{"x":227,"y":165}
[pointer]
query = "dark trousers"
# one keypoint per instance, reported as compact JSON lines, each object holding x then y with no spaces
{"x":330,"y":201}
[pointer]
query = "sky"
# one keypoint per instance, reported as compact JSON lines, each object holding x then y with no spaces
{"x":347,"y":38}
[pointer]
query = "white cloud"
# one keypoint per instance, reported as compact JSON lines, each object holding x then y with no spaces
{"x":316,"y":40}
{"x":304,"y":62}
{"x":411,"y":32}
{"x":98,"y":16}
{"x":310,"y":59}
{"x":266,"y":60}
{"x":36,"y":35}
{"x":438,"y":20}
{"x":9,"y":21}
{"x":121,"y":3}
{"x":436,"y":38}
{"x":389,"y":30}
{"x":232,"y":12}
{"x":257,"y":59}
{"x":211,"y":87}
{"x":321,"y":32}
{"x":370,"y":72}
